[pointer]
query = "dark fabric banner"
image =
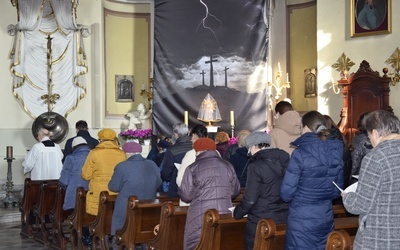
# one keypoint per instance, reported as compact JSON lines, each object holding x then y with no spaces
{"x":216,"y":47}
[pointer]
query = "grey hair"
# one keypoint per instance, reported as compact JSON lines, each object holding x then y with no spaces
{"x":383,"y":121}
{"x":180,"y":129}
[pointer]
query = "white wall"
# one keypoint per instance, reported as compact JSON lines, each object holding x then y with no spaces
{"x":333,"y":27}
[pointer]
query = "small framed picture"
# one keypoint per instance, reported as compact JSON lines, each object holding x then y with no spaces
{"x":124,"y":88}
{"x":370,"y":17}
{"x":310,"y":82}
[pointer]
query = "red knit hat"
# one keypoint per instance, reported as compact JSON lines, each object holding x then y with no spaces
{"x":203,"y":144}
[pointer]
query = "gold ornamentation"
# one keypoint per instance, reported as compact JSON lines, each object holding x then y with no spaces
{"x":394,"y":62}
{"x":343,"y":65}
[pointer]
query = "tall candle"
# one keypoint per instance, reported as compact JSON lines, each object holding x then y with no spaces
{"x":287,"y":77}
{"x":232,"y":115}
{"x":186,"y":118}
{"x":279,"y":66}
{"x":142,"y":86}
{"x":9,"y":152}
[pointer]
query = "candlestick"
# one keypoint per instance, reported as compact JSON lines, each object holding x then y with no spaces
{"x":9,"y":152}
{"x":279,"y":67}
{"x":186,"y":118}
{"x":142,"y":86}
{"x":287,"y":77}
{"x":232,"y":115}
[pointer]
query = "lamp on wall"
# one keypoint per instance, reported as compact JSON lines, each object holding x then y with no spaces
{"x":278,"y":85}
{"x":209,"y":111}
{"x":148,"y":94}
{"x":342,"y":65}
{"x":394,"y":62}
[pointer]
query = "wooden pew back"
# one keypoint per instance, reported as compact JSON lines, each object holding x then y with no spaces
{"x":58,"y":219}
{"x":141,"y":218}
{"x":29,"y":200}
{"x":79,"y":219}
{"x":221,"y":231}
{"x":172,"y":228}
{"x":100,"y":229}
{"x":339,"y":240}
{"x":46,"y":202}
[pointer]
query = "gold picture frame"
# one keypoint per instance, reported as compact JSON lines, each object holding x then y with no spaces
{"x":310,"y":82}
{"x":370,"y":17}
{"x":124,"y":88}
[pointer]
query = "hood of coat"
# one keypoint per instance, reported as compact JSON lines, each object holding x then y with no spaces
{"x":327,"y":152}
{"x":289,"y":122}
{"x":275,"y":158}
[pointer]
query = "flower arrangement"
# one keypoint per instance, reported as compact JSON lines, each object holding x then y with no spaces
{"x":140,"y":134}
{"x":232,"y":141}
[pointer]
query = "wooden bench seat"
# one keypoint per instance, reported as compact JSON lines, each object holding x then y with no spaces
{"x":272,"y":236}
{"x":29,"y":200}
{"x":79,"y":219}
{"x":171,"y":229}
{"x":340,"y":240}
{"x":46,"y":202}
{"x":100,"y":228}
{"x":141,"y":218}
{"x":58,"y":218}
{"x":221,"y":231}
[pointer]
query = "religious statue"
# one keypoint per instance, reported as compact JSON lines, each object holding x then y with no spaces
{"x":139,"y":117}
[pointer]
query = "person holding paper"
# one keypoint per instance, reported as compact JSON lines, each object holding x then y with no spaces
{"x":307,"y":185}
{"x":377,"y":197}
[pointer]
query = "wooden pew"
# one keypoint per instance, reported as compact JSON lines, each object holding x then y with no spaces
{"x":339,"y":240}
{"x":141,"y":218}
{"x":221,"y":231}
{"x":100,"y":229}
{"x":46,"y":202}
{"x":79,"y":219}
{"x":272,"y":236}
{"x":238,"y":198}
{"x":29,"y":200}
{"x":58,"y":219}
{"x":171,"y":230}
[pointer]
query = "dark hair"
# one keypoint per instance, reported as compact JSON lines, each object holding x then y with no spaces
{"x":315,"y":121}
{"x":81,"y":125}
{"x":360,"y":125}
{"x":282,"y":107}
{"x":383,"y":121}
{"x":199,"y":130}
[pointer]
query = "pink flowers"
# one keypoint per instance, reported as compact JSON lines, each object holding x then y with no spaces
{"x":232,"y":141}
{"x":136,"y":134}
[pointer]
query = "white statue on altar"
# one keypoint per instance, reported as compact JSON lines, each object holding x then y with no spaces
{"x":139,"y":117}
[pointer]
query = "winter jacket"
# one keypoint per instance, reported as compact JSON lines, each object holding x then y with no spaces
{"x":222,"y":147}
{"x":261,"y":198}
{"x":287,"y":129}
{"x":91,"y":142}
{"x":308,"y":188}
{"x":377,"y":197}
{"x":71,"y":177}
{"x":210,"y":182}
{"x":98,"y":169}
{"x":174,"y":154}
{"x":135,"y":176}
{"x":239,"y":161}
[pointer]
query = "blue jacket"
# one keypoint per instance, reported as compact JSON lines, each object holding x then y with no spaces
{"x":92,"y":142}
{"x":308,"y":188}
{"x":71,"y":175}
{"x":135,"y":176}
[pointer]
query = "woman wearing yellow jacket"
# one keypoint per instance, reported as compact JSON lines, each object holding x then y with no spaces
{"x":99,"y":167}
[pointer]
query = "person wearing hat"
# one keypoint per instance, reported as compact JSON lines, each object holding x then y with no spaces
{"x":136,"y":176}
{"x":99,"y":167}
{"x":209,"y":182}
{"x":265,"y":172}
{"x":71,"y":178}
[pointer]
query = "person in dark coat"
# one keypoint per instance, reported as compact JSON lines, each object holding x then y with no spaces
{"x":307,"y":185}
{"x":209,"y":182}
{"x":135,"y":176}
{"x":265,"y":173}
{"x":239,"y":159}
{"x":173,"y":157}
{"x":70,"y":177}
{"x":81,"y":130}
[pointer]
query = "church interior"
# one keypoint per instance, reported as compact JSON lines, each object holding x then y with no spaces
{"x":305,"y":37}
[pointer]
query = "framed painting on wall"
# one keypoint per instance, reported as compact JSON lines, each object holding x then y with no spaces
{"x":310,"y":82}
{"x":124,"y":88}
{"x":370,"y":17}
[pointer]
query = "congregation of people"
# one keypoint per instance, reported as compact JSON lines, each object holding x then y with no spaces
{"x":287,"y":175}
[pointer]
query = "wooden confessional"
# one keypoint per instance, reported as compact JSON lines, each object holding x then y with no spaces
{"x":362,"y":91}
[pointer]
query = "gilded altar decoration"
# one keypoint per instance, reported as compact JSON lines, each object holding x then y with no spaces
{"x":343,"y":65}
{"x":394,"y":62}
{"x":209,"y":111}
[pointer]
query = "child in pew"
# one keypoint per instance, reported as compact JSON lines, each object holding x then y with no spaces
{"x":71,"y":178}
{"x":209,"y":182}
{"x":135,"y":176}
{"x":265,"y":173}
{"x":307,"y":185}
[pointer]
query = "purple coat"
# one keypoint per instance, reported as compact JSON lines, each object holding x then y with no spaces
{"x":209,"y":182}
